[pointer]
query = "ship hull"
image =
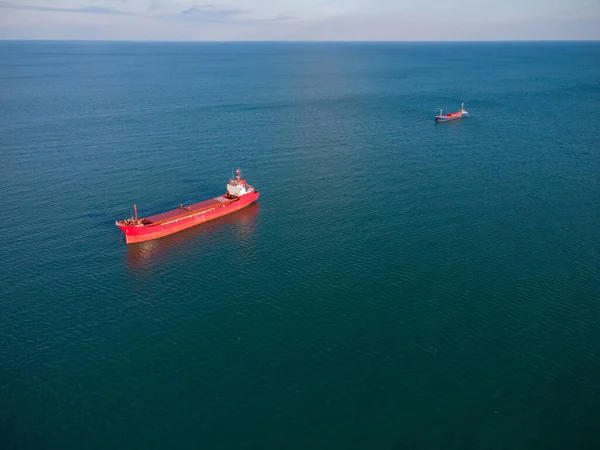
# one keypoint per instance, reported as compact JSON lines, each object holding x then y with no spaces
{"x":449,"y":117}
{"x":178,"y":222}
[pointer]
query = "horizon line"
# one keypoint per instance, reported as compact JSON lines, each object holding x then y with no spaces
{"x":210,"y":41}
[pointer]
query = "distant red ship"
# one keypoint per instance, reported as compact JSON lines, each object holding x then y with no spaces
{"x":239,"y":195}
{"x":452,"y":116}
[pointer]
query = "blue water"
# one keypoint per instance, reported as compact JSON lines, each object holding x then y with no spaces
{"x":401,"y":284}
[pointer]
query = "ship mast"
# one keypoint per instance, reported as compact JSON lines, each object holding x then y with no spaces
{"x":135,"y":215}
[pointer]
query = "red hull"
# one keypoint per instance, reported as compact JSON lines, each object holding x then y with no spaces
{"x":179,"y":219}
{"x":453,"y":116}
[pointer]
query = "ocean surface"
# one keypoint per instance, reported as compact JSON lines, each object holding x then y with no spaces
{"x":401,"y":284}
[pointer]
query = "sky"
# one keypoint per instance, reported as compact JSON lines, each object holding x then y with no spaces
{"x":273,"y":20}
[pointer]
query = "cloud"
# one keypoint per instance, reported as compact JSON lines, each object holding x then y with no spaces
{"x":85,"y":9}
{"x":282,"y":17}
{"x":171,"y":11}
{"x":210,"y":12}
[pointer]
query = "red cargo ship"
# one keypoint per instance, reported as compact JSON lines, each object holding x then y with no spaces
{"x":239,"y":194}
{"x":452,"y":116}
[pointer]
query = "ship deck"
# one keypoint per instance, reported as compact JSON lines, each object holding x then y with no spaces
{"x":189,"y":209}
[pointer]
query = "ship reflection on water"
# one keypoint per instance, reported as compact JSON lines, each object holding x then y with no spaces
{"x":238,"y":226}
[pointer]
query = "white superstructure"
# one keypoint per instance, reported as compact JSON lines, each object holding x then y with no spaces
{"x":238,"y":187}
